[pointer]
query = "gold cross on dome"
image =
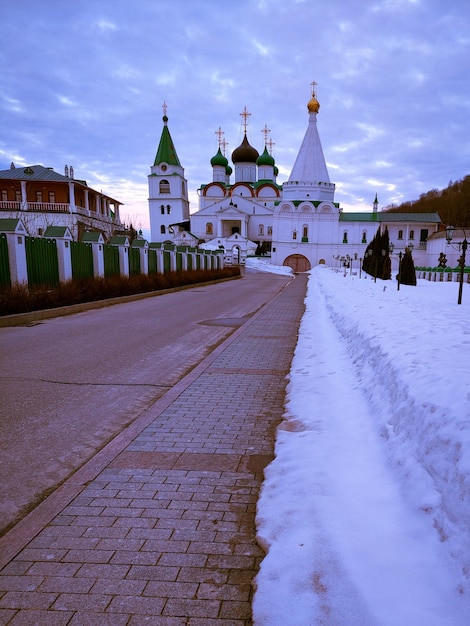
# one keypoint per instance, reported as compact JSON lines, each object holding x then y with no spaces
{"x":314,"y":84}
{"x":164,"y":107}
{"x":223,"y":145}
{"x":265,"y":132}
{"x":245,"y":116}
{"x":270,"y":145}
{"x":220,"y":136}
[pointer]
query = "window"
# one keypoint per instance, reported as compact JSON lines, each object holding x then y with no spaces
{"x":164,"y":186}
{"x":364,"y":236}
{"x":412,"y":234}
{"x":4,"y":195}
{"x":51,"y":197}
{"x":270,"y":231}
{"x":345,"y":236}
{"x":162,"y":209}
{"x":168,"y":209}
{"x":162,"y":230}
{"x":400,"y":234}
{"x":294,"y":235}
{"x":18,"y":196}
{"x":38,"y":196}
{"x":209,"y":228}
{"x":304,"y":233}
{"x":261,"y":229}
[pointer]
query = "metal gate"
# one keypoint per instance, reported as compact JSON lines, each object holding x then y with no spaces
{"x":82,"y":259}
{"x":5,"y":277}
{"x":152,"y":261}
{"x":41,"y":261}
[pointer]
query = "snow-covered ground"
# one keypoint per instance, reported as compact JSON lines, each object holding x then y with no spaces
{"x":365,"y":511}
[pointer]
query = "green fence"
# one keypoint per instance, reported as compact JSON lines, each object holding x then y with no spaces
{"x":82,"y":259}
{"x":111,"y":260}
{"x":41,"y":261}
{"x":166,"y":261}
{"x":134,"y":261}
{"x":5,"y":277}
{"x":152,"y":261}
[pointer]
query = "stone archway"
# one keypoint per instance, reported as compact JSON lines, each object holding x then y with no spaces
{"x":298,"y":263}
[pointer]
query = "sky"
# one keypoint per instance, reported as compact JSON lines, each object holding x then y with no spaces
{"x":364,"y":512}
{"x":83,"y":84}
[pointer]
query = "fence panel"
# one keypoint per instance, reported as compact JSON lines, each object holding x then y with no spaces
{"x":134,"y":261}
{"x":111,"y":260}
{"x":166,"y":261}
{"x":82,"y":259}
{"x":41,"y":261}
{"x":5,"y":277}
{"x":152,"y":261}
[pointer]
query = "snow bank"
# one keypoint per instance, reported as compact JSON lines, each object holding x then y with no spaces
{"x":365,"y":510}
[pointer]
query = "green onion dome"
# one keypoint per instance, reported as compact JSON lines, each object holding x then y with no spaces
{"x":265,"y":158}
{"x":219,"y":159}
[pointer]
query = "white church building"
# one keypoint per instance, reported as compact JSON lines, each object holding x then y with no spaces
{"x":244,"y":209}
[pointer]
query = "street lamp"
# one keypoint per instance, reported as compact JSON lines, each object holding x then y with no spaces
{"x":463,"y":247}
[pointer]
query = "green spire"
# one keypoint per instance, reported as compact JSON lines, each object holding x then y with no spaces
{"x":166,"y":152}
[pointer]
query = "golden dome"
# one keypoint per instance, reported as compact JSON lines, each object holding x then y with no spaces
{"x":313,"y":106}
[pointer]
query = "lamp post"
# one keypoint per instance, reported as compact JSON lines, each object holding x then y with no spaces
{"x":463,"y":247}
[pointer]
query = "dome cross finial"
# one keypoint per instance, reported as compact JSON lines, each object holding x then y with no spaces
{"x":245,"y":116}
{"x":164,"y":107}
{"x":314,"y":91}
{"x":266,"y":132}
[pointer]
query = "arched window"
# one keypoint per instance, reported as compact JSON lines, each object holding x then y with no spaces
{"x":261,"y":229}
{"x":412,"y":234}
{"x":364,"y":236}
{"x":164,"y":186}
{"x":345,"y":236}
{"x":162,"y":229}
{"x":168,"y":209}
{"x":183,"y":187}
{"x":209,"y":228}
{"x":294,"y":235}
{"x":400,"y":234}
{"x":162,"y":209}
{"x":270,"y":231}
{"x":305,"y":233}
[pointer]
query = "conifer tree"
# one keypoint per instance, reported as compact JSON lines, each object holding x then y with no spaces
{"x":407,"y":269}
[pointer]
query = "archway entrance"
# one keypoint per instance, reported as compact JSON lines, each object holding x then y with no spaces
{"x":298,"y":263}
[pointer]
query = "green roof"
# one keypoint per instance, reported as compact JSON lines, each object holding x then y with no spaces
{"x":166,"y":152}
{"x":9,"y":224}
{"x":385,"y":217}
{"x":57,"y":231}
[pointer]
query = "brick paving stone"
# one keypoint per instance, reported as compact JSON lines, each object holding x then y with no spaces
{"x":165,"y":534}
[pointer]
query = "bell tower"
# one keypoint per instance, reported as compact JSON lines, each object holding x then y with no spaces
{"x":168,"y":189}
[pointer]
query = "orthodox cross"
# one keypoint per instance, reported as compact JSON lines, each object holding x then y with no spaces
{"x":223,"y":145}
{"x":265,"y":132}
{"x":245,"y":116}
{"x":314,"y":84}
{"x":270,"y":145}
{"x":220,"y":136}
{"x":164,"y":107}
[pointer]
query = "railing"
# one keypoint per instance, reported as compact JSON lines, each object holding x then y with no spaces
{"x":53,"y":207}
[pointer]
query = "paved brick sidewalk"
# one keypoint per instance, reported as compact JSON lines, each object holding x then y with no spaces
{"x":159,"y":528}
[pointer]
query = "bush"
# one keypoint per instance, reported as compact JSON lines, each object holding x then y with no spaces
{"x":22,"y":299}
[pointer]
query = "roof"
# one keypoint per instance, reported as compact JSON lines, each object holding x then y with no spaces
{"x":166,"y":152}
{"x":384,"y":217}
{"x":58,"y":231}
{"x":310,"y":165}
{"x":93,"y":237}
{"x":10,"y":225}
{"x":41,"y":173}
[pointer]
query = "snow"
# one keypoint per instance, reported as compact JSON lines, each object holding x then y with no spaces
{"x":365,"y":511}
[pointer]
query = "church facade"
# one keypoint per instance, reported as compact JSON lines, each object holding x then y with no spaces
{"x":244,"y":210}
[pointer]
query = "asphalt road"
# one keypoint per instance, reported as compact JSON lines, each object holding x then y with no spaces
{"x":68,"y":385}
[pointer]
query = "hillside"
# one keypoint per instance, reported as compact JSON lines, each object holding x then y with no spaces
{"x":452,"y":203}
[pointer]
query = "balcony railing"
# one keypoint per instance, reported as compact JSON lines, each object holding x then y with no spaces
{"x":53,"y":207}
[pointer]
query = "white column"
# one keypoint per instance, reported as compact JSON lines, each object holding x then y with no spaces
{"x":17,"y":258}
{"x":72,"y":196}
{"x":64,"y":259}
{"x":24,"y":197}
{"x":87,"y":201}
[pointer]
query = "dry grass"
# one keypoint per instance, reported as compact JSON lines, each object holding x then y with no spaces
{"x":21,"y":298}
